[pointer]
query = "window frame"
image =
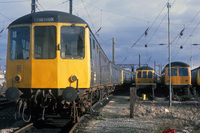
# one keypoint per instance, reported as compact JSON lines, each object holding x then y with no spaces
{"x":27,"y":48}
{"x":144,"y":74}
{"x":183,"y":74}
{"x":149,"y":74}
{"x":48,"y":50}
{"x":72,"y":57}
{"x":139,"y":73}
{"x":173,"y":74}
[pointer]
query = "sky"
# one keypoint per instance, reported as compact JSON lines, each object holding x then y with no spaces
{"x":126,"y":21}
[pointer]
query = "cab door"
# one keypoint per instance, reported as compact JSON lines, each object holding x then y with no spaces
{"x":44,"y":64}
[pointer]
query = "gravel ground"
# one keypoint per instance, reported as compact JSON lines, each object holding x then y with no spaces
{"x":114,"y":117}
{"x":149,"y":116}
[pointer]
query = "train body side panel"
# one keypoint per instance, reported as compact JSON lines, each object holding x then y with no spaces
{"x":198,"y":77}
{"x":122,"y":73}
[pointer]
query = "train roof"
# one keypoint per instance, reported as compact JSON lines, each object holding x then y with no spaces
{"x":144,"y":68}
{"x":196,"y":68}
{"x":178,"y":64}
{"x":48,"y":16}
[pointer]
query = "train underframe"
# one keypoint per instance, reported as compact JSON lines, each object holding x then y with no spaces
{"x":36,"y":104}
{"x":146,"y":88}
{"x":179,"y":91}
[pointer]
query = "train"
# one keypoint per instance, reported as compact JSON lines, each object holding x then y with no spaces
{"x":195,"y":73}
{"x":146,"y":81}
{"x":128,"y":77}
{"x":55,"y":65}
{"x":180,"y":78}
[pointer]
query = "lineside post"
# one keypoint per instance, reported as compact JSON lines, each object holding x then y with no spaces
{"x":132,"y":100}
{"x":153,"y":94}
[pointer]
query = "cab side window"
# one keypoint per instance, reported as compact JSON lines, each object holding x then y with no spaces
{"x":139,"y":74}
{"x":183,"y":72}
{"x":19,"y":43}
{"x":72,"y":42}
{"x":144,"y":74}
{"x":150,"y":74}
{"x":173,"y":71}
{"x":44,"y":42}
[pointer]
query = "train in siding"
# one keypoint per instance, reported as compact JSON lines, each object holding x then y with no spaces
{"x":128,"y":77}
{"x":195,"y":73}
{"x":146,"y":81}
{"x":180,"y":78}
{"x":55,"y":65}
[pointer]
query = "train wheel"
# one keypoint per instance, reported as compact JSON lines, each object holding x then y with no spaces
{"x":194,"y":92}
{"x":85,"y":104}
{"x":187,"y":92}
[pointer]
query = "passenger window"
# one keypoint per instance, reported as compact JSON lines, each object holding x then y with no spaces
{"x":183,"y":72}
{"x":150,"y":74}
{"x":139,"y":74}
{"x":72,"y":42}
{"x":19,"y":43}
{"x":144,"y":74}
{"x":44,"y":42}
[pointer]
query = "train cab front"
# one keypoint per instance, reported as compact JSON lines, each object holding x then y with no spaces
{"x":47,"y":56}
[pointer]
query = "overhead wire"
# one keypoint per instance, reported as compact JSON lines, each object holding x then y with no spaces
{"x":187,"y":38}
{"x":185,"y":28}
{"x":5,"y":16}
{"x":157,"y":29}
{"x":60,"y":4}
{"x":88,"y":15}
{"x":120,"y":14}
{"x":15,"y":1}
{"x":146,"y":31}
{"x":159,"y":23}
{"x":40,"y":5}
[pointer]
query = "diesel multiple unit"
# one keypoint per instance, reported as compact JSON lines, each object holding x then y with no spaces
{"x":180,"y":78}
{"x":56,"y":65}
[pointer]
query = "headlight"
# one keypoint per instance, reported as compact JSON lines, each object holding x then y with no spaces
{"x":72,"y":78}
{"x":18,"y":78}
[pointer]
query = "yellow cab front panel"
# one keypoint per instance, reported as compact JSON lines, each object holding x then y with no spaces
{"x":179,"y":76}
{"x":144,"y":76}
{"x":48,"y":54}
{"x":44,"y":62}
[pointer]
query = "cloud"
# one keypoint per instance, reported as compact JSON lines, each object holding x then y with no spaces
{"x":126,"y":21}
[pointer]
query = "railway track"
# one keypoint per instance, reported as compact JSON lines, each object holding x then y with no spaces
{"x":58,"y":125}
{"x":5,"y":103}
